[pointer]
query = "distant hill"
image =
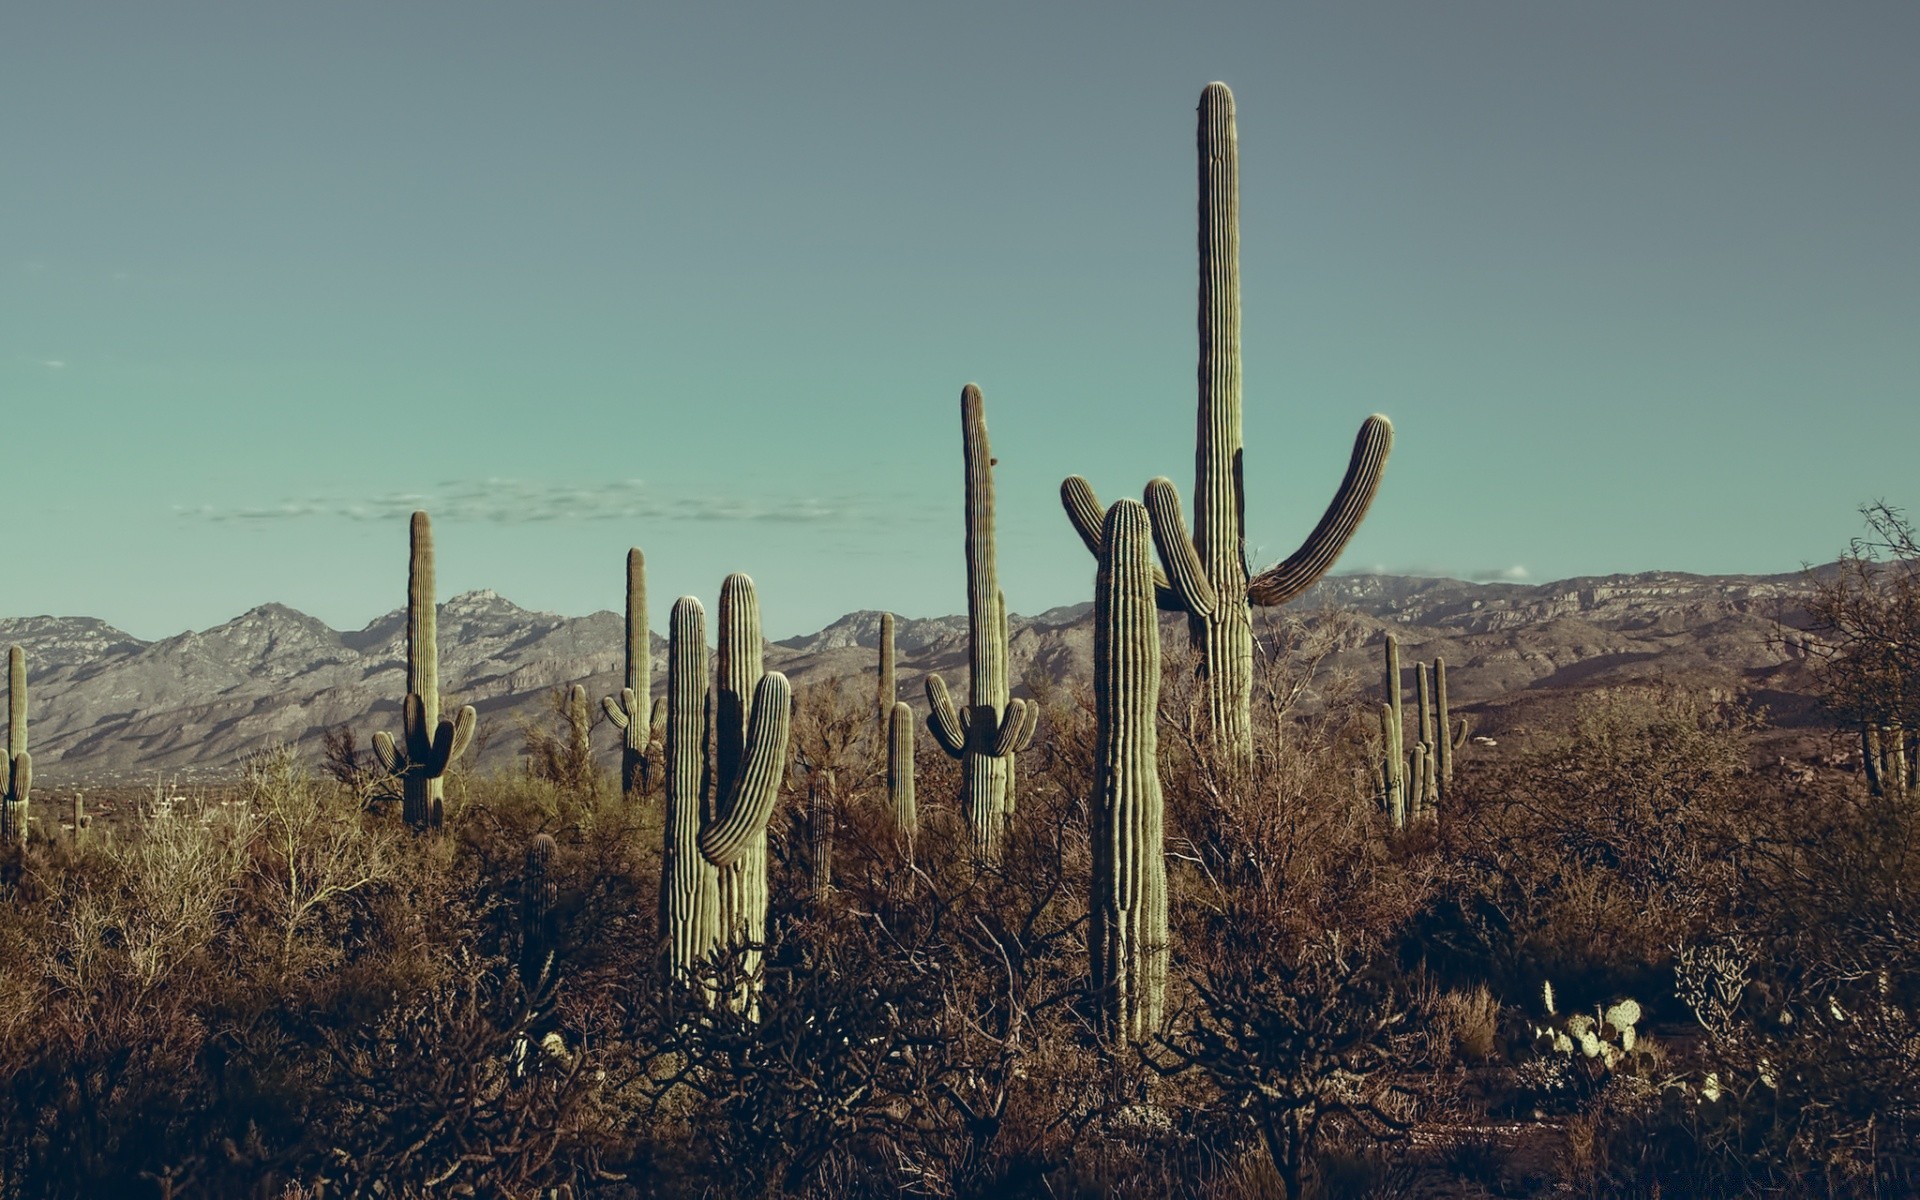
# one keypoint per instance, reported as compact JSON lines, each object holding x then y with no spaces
{"x":110,"y":708}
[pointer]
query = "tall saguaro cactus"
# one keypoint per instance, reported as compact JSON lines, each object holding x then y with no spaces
{"x":17,"y":778}
{"x":1127,"y":930}
{"x":714,"y":877}
{"x":633,"y":711}
{"x":992,"y":728}
{"x":1413,"y":783}
{"x":429,"y":745}
{"x":1206,"y":576}
{"x":887,"y":686}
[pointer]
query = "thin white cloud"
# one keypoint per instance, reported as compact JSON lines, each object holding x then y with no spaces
{"x":1513,"y":574}
{"x":522,"y":501}
{"x":54,"y":363}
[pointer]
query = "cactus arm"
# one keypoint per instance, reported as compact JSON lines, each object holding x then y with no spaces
{"x":464,"y":723}
{"x":659,"y":722}
{"x":756,"y":786}
{"x":1028,"y":727}
{"x":1304,"y":567}
{"x":617,"y":710}
{"x":943,"y":722}
{"x":1183,"y":566}
{"x":387,"y":754}
{"x":1084,"y":511}
{"x":1007,"y":739}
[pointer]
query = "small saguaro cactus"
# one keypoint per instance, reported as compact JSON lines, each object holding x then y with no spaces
{"x":429,"y":745}
{"x":633,"y":711}
{"x":714,"y":874}
{"x":1206,"y":575}
{"x":906,"y":819}
{"x":1413,"y":783}
{"x":537,"y":895}
{"x":1127,"y":927}
{"x":992,"y":728}
{"x":1393,"y":760}
{"x":1888,"y":753}
{"x":18,"y":776}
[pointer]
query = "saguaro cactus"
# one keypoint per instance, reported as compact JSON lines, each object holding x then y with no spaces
{"x":633,"y":711}
{"x":537,"y":896}
{"x":1888,"y":753}
{"x":18,"y":776}
{"x":1206,"y":575}
{"x":992,"y":728}
{"x":429,"y":745}
{"x":1127,"y":930}
{"x":906,"y":819}
{"x":888,"y":688}
{"x":1413,"y":783}
{"x":1393,"y":760}
{"x":714,"y":874}
{"x":689,"y":885}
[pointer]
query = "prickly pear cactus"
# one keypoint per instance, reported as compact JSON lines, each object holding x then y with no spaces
{"x":1206,"y":575}
{"x":1127,"y":927}
{"x":642,"y":719}
{"x":428,"y":745}
{"x":992,"y":728}
{"x":17,"y":776}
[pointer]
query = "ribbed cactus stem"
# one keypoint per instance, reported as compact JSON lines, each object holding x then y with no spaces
{"x":735,"y":842}
{"x":16,"y":780}
{"x":1443,"y":728}
{"x":1423,"y":686}
{"x":993,"y":727}
{"x":1127,"y":930}
{"x":906,"y":819}
{"x":579,"y":726}
{"x":689,"y":885}
{"x":1206,"y":575}
{"x":1399,"y":802}
{"x":537,"y":895}
{"x":1870,"y":758}
{"x":428,"y":745}
{"x":633,"y":711}
{"x":888,"y":686}
{"x":738,"y":669}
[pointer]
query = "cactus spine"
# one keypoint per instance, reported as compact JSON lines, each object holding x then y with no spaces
{"x":1206,"y":576}
{"x":1127,"y":930}
{"x":429,"y":745}
{"x":906,"y":819}
{"x":986,"y":734}
{"x":634,"y":711}
{"x":714,"y":877}
{"x":18,"y":776}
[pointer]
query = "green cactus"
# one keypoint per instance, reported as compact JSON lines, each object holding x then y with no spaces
{"x":428,"y":745}
{"x":1206,"y":575}
{"x":642,"y":719}
{"x":18,"y":775}
{"x":689,"y":886}
{"x":986,"y":734}
{"x":1127,"y":928}
{"x":1887,"y":753}
{"x":714,"y":874}
{"x":537,"y":896}
{"x":906,"y":818}
{"x":888,"y":686}
{"x":1393,"y":760}
{"x":80,"y":818}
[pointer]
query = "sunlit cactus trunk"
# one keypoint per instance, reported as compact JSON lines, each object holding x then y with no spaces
{"x":1393,"y":765}
{"x":689,"y":885}
{"x":986,"y":734}
{"x":641,"y":719}
{"x":887,"y":687}
{"x":739,"y":830}
{"x":737,"y":671}
{"x":1127,"y":929}
{"x":900,"y":802}
{"x":428,"y":745}
{"x":1206,"y":575}
{"x":17,"y":776}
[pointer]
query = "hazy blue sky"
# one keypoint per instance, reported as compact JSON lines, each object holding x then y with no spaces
{"x":1638,"y":283}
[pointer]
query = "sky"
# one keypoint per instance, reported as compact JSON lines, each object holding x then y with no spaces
{"x":1638,"y":284}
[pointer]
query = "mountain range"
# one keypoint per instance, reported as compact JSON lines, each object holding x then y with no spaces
{"x":108,"y":708}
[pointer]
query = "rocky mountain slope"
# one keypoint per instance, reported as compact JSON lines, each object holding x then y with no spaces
{"x":108,"y":708}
